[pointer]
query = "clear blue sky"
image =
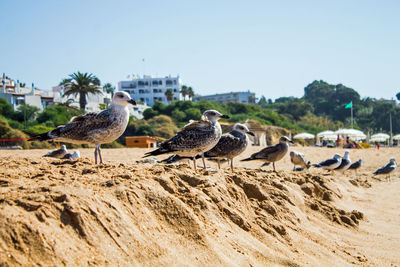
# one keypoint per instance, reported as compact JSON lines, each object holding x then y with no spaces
{"x":274,"y":48}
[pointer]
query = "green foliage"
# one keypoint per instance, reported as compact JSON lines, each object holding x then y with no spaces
{"x":58,"y":115}
{"x":192,"y":114}
{"x":25,"y":110}
{"x":149,"y":113}
{"x":178,"y":115}
{"x":6,"y":109}
{"x":6,"y":132}
{"x":37,"y":129}
{"x":15,"y":124}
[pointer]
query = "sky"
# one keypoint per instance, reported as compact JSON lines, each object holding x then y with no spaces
{"x":273,"y":48}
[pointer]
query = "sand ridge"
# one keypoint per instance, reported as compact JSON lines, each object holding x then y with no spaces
{"x":55,"y":212}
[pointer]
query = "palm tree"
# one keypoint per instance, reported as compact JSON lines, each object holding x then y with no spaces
{"x":184,"y":91}
{"x":81,"y":84}
{"x":109,"y":89}
{"x":169,"y":94}
{"x":190,"y":92}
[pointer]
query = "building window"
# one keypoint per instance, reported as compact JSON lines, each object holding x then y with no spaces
{"x":168,"y":82}
{"x":141,"y":91}
{"x":155,"y":90}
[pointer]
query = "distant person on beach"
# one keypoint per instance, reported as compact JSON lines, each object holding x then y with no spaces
{"x":338,"y":141}
{"x":378,"y":145}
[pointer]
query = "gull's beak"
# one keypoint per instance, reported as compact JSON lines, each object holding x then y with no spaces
{"x":291,"y":141}
{"x":251,"y":133}
{"x":131,"y":101}
{"x":225,"y":117}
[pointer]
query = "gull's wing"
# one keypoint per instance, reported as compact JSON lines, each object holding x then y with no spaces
{"x":227,"y":144}
{"x":81,"y":126}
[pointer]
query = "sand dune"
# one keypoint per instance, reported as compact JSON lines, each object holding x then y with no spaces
{"x":55,"y":212}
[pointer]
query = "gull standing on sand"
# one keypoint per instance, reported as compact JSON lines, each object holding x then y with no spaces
{"x":356,"y":165}
{"x":94,"y":128}
{"x":272,"y":153}
{"x":345,"y":164}
{"x":75,"y":155}
{"x":298,"y":158}
{"x":388,"y":169}
{"x":58,"y":153}
{"x":230,"y":144}
{"x":330,"y":164}
{"x":195,"y":138}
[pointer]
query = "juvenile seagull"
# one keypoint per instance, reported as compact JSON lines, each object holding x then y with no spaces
{"x":388,"y":169}
{"x":230,"y":144}
{"x":94,"y":128}
{"x":195,"y":138}
{"x":272,"y":153}
{"x":298,"y":158}
{"x":345,"y":164}
{"x":58,"y":153}
{"x":356,"y":165}
{"x":330,"y":164}
{"x":75,"y":155}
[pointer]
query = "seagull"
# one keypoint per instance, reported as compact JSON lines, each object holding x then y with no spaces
{"x":330,"y":164}
{"x":195,"y":138}
{"x":75,"y":155}
{"x":388,"y":169}
{"x":230,"y":144}
{"x":345,"y":164}
{"x":58,"y":153}
{"x":94,"y":128}
{"x":356,"y":165}
{"x":272,"y":153}
{"x":298,"y":158}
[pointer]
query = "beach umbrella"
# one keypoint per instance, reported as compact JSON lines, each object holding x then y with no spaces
{"x":352,"y":133}
{"x":379,"y":137}
{"x":396,"y":137}
{"x":304,"y":136}
{"x":327,"y":135}
{"x":324,"y":133}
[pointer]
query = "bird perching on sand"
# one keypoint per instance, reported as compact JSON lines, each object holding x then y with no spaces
{"x":356,"y":165}
{"x":298,"y":158}
{"x":330,"y":164}
{"x":272,"y":153}
{"x":75,"y":155}
{"x":58,"y":153}
{"x":387,"y":169}
{"x":94,"y":128}
{"x":195,"y":138}
{"x":230,"y":144}
{"x":345,"y":164}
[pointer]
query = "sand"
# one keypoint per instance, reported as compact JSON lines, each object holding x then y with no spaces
{"x":124,"y":213}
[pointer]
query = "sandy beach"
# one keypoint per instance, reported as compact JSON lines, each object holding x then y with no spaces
{"x":124,"y":213}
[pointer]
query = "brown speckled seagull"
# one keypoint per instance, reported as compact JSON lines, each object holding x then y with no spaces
{"x":272,"y":153}
{"x":94,"y":128}
{"x":231,"y":144}
{"x":195,"y":138}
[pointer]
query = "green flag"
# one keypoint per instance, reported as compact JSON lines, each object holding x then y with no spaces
{"x":349,"y":105}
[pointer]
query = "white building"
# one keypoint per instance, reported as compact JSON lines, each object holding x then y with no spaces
{"x":15,"y":94}
{"x":149,"y":90}
{"x":238,"y":97}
